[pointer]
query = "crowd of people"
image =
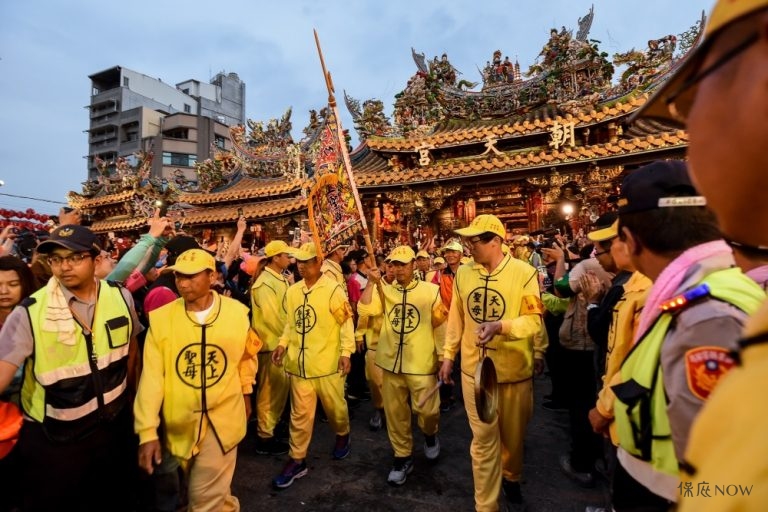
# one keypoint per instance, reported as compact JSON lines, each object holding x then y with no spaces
{"x":652,"y":328}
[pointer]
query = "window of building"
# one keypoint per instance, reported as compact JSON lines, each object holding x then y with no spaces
{"x":219,"y":141}
{"x":126,"y":81}
{"x":187,"y":108}
{"x":180,"y":159}
{"x":185,"y":91}
{"x":177,"y":133}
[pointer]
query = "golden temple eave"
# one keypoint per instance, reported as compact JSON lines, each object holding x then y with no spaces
{"x":251,"y":211}
{"x":244,"y":189}
{"x":81,"y":202}
{"x":479,"y":134}
{"x":520,"y":161}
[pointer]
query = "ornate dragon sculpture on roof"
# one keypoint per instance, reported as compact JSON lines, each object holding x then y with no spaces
{"x":262,"y":151}
{"x":125,"y":174}
{"x":570,"y":75}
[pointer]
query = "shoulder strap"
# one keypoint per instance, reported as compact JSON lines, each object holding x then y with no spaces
{"x":28,"y":302}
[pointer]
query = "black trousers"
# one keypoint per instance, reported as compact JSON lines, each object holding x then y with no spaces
{"x":554,"y":357}
{"x":356,"y":383}
{"x":581,"y":393}
{"x":96,"y":473}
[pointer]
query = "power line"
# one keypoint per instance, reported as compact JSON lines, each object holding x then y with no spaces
{"x":34,"y":199}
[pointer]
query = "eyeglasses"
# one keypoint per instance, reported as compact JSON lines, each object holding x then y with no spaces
{"x":482,"y":239}
{"x":72,"y":260}
{"x":680,"y":111}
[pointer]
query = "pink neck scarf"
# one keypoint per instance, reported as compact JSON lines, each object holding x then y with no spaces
{"x":666,"y":286}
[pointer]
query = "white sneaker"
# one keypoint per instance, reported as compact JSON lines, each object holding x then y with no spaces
{"x":400,"y":470}
{"x":432,"y":452}
{"x":376,"y":420}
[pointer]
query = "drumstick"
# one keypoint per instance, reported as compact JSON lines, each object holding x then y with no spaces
{"x":428,"y":394}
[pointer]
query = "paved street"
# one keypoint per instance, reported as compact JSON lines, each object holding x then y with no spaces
{"x":359,"y":482}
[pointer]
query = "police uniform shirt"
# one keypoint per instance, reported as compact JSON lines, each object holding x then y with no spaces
{"x":17,"y":340}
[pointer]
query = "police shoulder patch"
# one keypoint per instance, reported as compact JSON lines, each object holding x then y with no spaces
{"x":704,"y":366}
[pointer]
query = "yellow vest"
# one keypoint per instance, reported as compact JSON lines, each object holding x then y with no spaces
{"x":369,"y":325}
{"x":332,"y":270}
{"x":319,"y":328}
{"x":626,"y":315}
{"x":406,"y":341}
{"x":641,"y":406}
{"x":73,"y":388}
{"x":268,"y":314}
{"x":510,"y":294}
{"x":191,"y":370}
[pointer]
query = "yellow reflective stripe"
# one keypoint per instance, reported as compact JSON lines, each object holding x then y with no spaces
{"x":76,"y":413}
{"x":82,"y":369}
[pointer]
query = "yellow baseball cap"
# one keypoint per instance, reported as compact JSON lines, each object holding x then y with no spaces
{"x":438,"y":260}
{"x":403,"y":254}
{"x":194,"y":261}
{"x":601,"y":235}
{"x":484,"y":224}
{"x":724,"y":13}
{"x":306,"y":252}
{"x":276,"y":247}
{"x":422,"y":254}
{"x":453,"y":245}
{"x":607,"y":227}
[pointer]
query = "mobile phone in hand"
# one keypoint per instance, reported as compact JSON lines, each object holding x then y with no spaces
{"x":239,"y":212}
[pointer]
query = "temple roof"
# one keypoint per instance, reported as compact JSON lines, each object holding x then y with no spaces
{"x":468,"y":132}
{"x":476,"y":167}
{"x":440,"y":129}
{"x":244,"y":188}
{"x":256,"y":210}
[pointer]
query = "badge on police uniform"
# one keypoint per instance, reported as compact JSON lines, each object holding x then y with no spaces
{"x":704,"y":366}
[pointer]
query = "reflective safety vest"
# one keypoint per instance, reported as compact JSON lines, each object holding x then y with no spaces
{"x":641,"y":407}
{"x":71,"y":389}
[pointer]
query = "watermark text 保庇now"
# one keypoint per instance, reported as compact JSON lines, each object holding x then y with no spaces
{"x":710,"y":490}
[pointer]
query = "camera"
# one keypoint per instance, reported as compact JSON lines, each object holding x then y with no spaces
{"x":25,"y":243}
{"x":549,"y":241}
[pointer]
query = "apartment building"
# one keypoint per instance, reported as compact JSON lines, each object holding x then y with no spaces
{"x":130,"y":111}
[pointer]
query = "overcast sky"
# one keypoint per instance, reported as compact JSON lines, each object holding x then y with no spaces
{"x":48,"y":49}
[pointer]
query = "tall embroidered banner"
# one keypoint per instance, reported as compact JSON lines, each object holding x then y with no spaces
{"x":334,"y":217}
{"x":335,"y":211}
